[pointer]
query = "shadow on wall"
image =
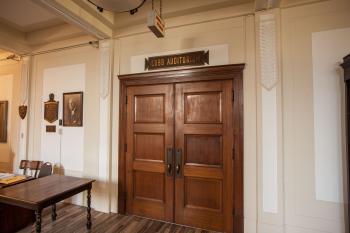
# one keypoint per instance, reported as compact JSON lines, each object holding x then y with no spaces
{"x":78,"y":199}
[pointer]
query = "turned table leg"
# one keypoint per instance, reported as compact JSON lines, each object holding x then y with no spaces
{"x":38,"y":221}
{"x":88,"y":224}
{"x":53,"y":212}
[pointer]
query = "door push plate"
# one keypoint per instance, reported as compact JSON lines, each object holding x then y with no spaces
{"x":178,"y":163}
{"x":169,"y":162}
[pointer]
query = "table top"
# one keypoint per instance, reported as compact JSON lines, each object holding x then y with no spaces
{"x":28,"y":178}
{"x":39,"y":193}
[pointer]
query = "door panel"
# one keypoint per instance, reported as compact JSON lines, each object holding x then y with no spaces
{"x":149,"y":108}
{"x":203,"y":150}
{"x":203,"y":107}
{"x":150,"y":131}
{"x":203,"y":129}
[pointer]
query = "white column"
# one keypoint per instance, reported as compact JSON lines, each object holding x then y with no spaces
{"x":269,"y":97}
{"x":24,"y":100}
{"x":106,"y":61}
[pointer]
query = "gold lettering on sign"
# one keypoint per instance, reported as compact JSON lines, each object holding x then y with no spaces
{"x":198,"y":58}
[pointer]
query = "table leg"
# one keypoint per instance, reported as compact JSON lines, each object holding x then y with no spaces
{"x":53,"y":212}
{"x":88,"y":224}
{"x":38,"y":221}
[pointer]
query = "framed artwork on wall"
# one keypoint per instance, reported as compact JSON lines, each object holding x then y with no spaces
{"x":3,"y":121}
{"x":73,"y":109}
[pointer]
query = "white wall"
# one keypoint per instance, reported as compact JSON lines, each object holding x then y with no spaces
{"x":9,"y":82}
{"x":312,"y":50}
{"x":328,"y":50}
{"x":66,"y":146}
{"x":75,"y":149}
{"x":6,"y":85}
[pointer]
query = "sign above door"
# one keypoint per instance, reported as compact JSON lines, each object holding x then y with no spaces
{"x":197,"y":58}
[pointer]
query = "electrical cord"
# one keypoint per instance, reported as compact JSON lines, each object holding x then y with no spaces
{"x":100,"y":9}
{"x":132,"y":11}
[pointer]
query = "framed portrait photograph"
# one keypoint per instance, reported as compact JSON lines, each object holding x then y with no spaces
{"x":73,"y":109}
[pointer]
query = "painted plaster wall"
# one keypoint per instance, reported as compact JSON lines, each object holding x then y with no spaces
{"x":9,"y":79}
{"x":310,"y":57}
{"x":74,"y":150}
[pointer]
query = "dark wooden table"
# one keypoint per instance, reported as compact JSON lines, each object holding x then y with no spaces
{"x":47,"y":191}
{"x":14,"y":218}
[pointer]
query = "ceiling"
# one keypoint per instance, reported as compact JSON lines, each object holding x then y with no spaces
{"x":29,"y":25}
{"x":173,"y":8}
{"x":27,"y":16}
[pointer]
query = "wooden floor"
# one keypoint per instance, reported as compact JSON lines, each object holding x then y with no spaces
{"x":71,"y":218}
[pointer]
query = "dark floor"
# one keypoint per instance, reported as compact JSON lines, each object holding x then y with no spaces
{"x":71,"y":218}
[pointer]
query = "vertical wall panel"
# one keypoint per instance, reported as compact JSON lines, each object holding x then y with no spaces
{"x":269,"y":150}
{"x":328,"y":49}
{"x":268,"y":72}
{"x":66,"y":146}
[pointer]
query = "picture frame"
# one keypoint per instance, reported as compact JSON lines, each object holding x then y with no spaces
{"x":73,"y":109}
{"x":3,"y":121}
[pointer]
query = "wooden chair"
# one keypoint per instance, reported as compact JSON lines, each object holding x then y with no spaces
{"x":45,"y":170}
{"x":31,"y":165}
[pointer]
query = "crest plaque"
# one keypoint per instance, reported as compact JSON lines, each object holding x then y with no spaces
{"x":51,"y":109}
{"x":22,"y":111}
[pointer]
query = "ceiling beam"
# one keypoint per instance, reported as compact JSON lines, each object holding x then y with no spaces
{"x":107,"y":17}
{"x":75,"y":14}
{"x":261,"y":5}
{"x":53,"y":34}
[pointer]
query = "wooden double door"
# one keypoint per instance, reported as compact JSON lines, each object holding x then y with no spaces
{"x":179,"y":153}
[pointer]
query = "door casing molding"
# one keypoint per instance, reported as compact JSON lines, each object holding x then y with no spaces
{"x":233,"y":72}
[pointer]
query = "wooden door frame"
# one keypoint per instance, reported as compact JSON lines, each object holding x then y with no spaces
{"x":207,"y":73}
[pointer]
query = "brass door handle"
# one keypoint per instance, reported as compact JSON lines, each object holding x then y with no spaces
{"x":169,"y":162}
{"x":178,"y":162}
{"x":169,"y":170}
{"x":177,"y":169}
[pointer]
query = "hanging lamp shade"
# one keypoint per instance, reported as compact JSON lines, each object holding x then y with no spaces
{"x":118,"y":5}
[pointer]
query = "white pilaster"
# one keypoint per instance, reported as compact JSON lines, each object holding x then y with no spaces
{"x":106,"y":61}
{"x":24,"y":100}
{"x":269,"y":97}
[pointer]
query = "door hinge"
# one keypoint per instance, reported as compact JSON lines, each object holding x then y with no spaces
{"x":233,"y":212}
{"x":126,"y":99}
{"x":233,"y":153}
{"x":125,"y":147}
{"x":233,"y":96}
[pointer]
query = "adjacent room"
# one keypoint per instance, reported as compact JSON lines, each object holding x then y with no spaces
{"x":163,"y":116}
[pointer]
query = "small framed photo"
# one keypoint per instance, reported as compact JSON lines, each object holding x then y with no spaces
{"x":73,"y":109}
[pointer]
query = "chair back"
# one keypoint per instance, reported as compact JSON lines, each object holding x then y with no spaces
{"x":23,"y":166}
{"x":31,"y":165}
{"x":45,"y":170}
